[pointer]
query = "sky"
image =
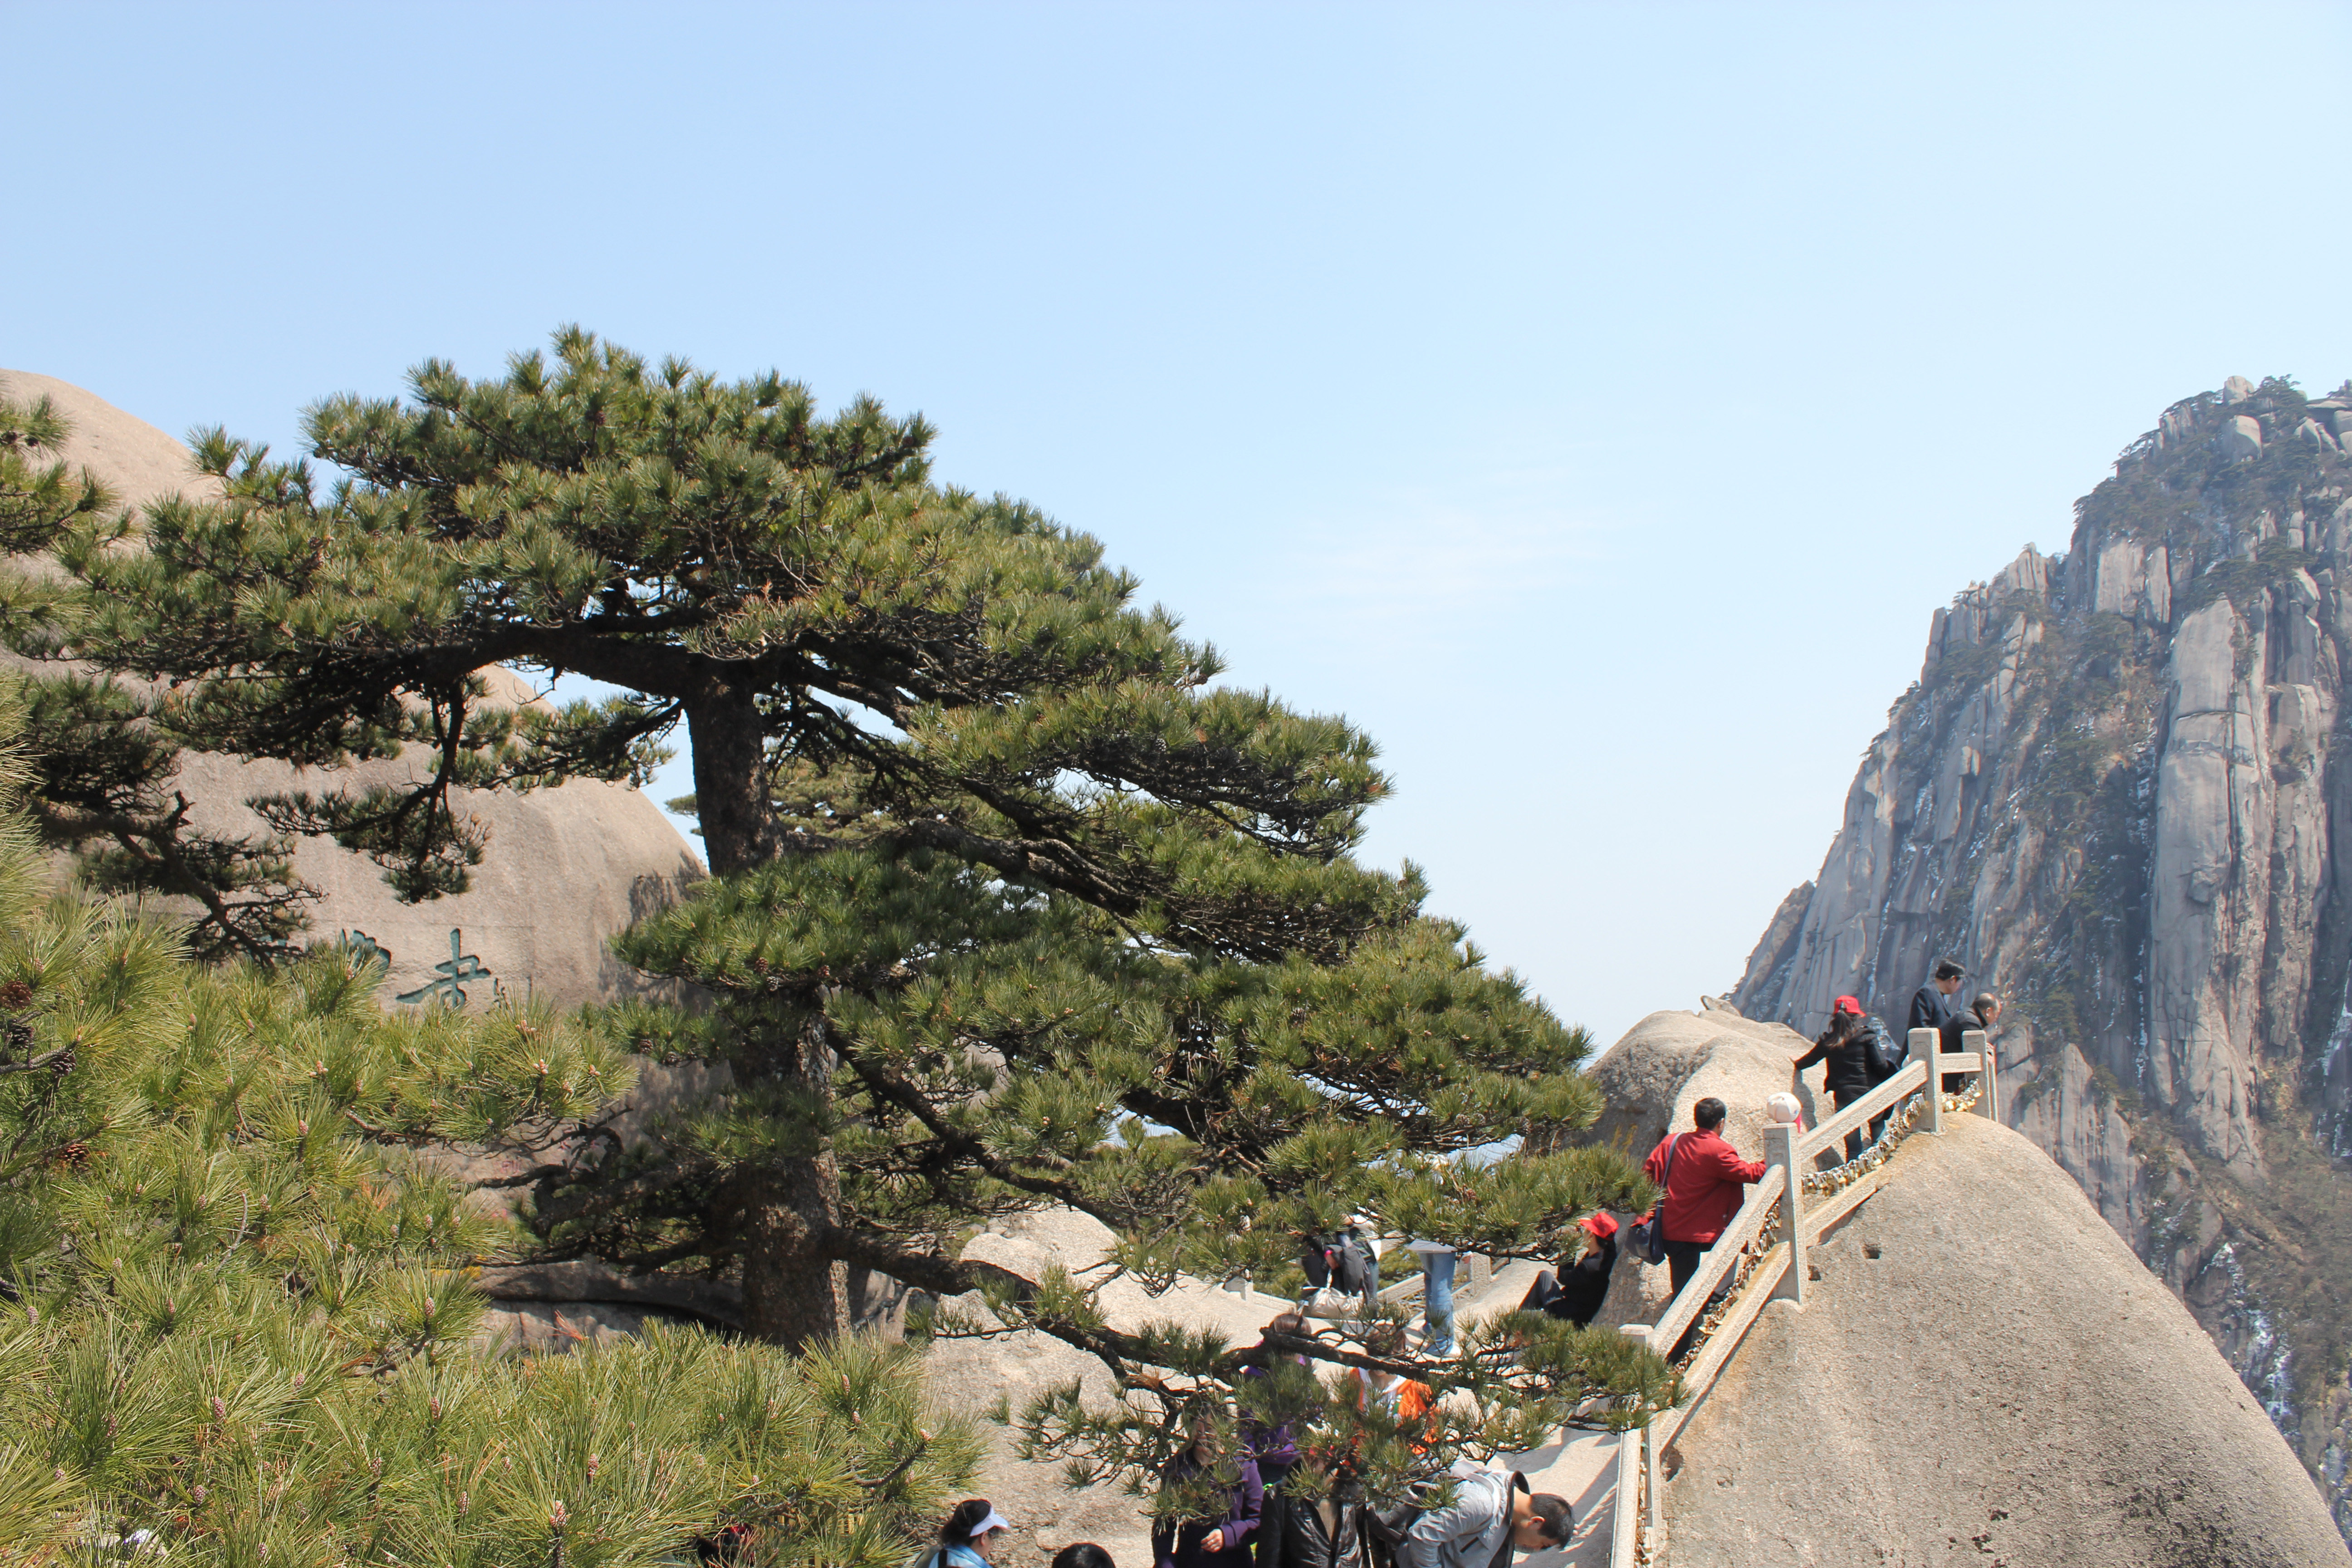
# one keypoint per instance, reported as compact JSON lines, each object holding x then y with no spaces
{"x":1591,"y":402}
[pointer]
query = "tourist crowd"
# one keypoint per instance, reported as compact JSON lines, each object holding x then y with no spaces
{"x":1254,"y":1522}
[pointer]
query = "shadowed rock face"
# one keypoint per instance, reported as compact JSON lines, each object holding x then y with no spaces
{"x":2113,"y":794}
{"x":566,"y":868}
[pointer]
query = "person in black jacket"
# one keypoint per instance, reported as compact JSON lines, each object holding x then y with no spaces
{"x":1576,"y":1293}
{"x":1981,"y":1014}
{"x":1932,"y":1003}
{"x":1851,"y":1049}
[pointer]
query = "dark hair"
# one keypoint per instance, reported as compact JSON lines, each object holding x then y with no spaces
{"x":1986,"y":1002}
{"x":1841,"y":1027}
{"x":1948,"y":970}
{"x":1083,"y":1554}
{"x":957,"y":1530}
{"x":1708,"y":1114}
{"x":1550,"y":1511}
{"x":1292,"y":1323}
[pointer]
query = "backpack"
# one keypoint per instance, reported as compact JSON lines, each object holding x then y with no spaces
{"x":1887,"y":1051}
{"x":1351,"y":1265}
{"x":1647,"y":1239}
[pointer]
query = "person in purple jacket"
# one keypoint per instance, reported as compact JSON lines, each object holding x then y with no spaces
{"x":1271,"y":1447}
{"x":1222,"y":1540}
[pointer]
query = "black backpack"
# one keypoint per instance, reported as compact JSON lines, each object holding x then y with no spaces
{"x":1647,"y":1238}
{"x":1885,"y":1051}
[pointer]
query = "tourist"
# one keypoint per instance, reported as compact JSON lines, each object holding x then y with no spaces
{"x":1403,"y":1400}
{"x":1083,"y":1554}
{"x":1491,"y":1514}
{"x":1574,"y":1294}
{"x":1359,"y":1253}
{"x":970,"y":1537}
{"x":1702,"y":1194}
{"x":1854,"y":1065}
{"x":1980,"y":1013}
{"x":1270,"y":1445}
{"x":1932,"y":1003}
{"x":1220,"y":1538}
{"x":1437,"y":1263}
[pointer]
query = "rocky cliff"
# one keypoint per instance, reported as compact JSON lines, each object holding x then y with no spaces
{"x":2114,"y":794}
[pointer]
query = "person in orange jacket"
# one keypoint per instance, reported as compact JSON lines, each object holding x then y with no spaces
{"x":1702,"y":1175}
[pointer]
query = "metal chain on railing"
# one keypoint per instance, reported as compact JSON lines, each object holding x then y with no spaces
{"x":1899,"y":1123}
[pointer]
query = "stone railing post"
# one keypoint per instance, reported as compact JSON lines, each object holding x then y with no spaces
{"x":1927,"y":1044}
{"x":1781,"y":1149}
{"x":1989,"y":1092}
{"x":1640,"y":1334}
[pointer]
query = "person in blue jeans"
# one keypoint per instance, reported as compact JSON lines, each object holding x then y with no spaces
{"x":1437,"y":1263}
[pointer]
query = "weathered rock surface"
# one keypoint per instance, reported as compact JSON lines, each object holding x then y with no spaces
{"x":2001,"y":1381}
{"x":566,"y":869}
{"x":2114,"y":794}
{"x":1650,"y":1080}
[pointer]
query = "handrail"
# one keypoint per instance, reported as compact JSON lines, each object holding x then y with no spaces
{"x":1782,"y":1272}
{"x":1722,"y":1256}
{"x":1870,"y":1106}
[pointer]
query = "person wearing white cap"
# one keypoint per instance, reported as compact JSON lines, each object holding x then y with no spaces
{"x":969,"y":1539}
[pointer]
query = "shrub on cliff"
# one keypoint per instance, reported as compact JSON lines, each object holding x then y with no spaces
{"x":1013,"y":908}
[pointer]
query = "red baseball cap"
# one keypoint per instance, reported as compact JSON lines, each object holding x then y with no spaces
{"x":1847,"y":1005}
{"x":1599,"y":1225}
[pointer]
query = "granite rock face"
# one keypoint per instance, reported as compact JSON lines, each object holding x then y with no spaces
{"x":1938,"y":1398}
{"x":566,"y":869}
{"x":2113,"y":794}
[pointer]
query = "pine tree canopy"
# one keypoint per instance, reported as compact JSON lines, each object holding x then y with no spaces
{"x":236,"y":1315}
{"x":1012,"y":906}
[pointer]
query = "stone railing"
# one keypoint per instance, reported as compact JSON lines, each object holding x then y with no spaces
{"x":1762,"y":1253}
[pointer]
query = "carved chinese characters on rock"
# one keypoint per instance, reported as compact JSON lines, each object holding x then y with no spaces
{"x":447,"y":984}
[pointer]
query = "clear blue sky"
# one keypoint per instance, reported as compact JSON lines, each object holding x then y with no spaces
{"x":1590,"y":402}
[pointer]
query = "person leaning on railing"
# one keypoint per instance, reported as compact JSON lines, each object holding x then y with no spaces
{"x":1981,"y":1014}
{"x":1702,"y":1197}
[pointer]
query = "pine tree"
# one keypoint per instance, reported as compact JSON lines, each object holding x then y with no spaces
{"x":234,"y":1317}
{"x":106,"y":750}
{"x":1013,"y":906}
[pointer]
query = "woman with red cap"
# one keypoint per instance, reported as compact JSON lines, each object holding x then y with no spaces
{"x":1851,"y":1048}
{"x":1576,"y":1293}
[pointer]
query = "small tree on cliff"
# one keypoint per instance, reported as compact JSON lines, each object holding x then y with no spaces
{"x":1012,"y":908}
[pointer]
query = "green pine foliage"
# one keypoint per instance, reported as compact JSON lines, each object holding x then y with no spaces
{"x":107,"y":750}
{"x":1013,"y":906}
{"x":234,"y":1312}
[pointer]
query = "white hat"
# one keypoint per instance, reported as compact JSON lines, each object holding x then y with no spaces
{"x":994,"y":1520}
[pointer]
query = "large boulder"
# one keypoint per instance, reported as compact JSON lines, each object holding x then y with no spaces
{"x":2240,"y":438}
{"x":1983,"y":1371}
{"x":566,"y":868}
{"x":1982,"y":1366}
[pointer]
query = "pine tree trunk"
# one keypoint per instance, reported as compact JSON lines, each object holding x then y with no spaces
{"x":792,"y":1293}
{"x":730,"y":797}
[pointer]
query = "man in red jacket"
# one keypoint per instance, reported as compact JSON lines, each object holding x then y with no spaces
{"x":1703,"y":1195}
